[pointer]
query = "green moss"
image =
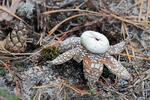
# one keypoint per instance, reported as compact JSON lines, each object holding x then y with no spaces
{"x":92,"y":91}
{"x":19,"y":64}
{"x":7,"y":96}
{"x":49,"y":53}
{"x":2,"y":71}
{"x":113,"y":98}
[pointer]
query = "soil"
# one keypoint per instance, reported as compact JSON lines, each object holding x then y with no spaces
{"x":33,"y":71}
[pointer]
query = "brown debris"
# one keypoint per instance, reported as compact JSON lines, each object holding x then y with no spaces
{"x":11,"y":9}
{"x":59,"y":19}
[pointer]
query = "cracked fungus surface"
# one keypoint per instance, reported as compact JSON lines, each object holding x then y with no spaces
{"x":92,"y":62}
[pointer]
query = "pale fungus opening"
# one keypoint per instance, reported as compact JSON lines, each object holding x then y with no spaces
{"x":95,"y":42}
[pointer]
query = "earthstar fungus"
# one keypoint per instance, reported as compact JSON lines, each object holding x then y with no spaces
{"x":94,"y":49}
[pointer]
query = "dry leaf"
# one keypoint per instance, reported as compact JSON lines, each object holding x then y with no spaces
{"x":5,"y":11}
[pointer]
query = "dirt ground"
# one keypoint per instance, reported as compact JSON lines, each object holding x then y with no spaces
{"x":25,"y":72}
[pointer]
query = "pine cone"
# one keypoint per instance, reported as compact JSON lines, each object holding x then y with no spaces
{"x":16,"y":40}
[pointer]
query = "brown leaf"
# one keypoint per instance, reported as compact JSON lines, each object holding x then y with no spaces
{"x":6,"y":12}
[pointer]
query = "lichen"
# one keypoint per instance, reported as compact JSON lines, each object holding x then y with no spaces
{"x":25,"y":9}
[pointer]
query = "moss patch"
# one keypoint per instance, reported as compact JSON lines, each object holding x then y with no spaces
{"x":7,"y":96}
{"x":49,"y":53}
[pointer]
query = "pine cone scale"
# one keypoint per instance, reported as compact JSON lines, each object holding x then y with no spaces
{"x":16,"y":40}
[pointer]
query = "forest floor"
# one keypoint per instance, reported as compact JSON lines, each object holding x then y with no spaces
{"x":25,"y":73}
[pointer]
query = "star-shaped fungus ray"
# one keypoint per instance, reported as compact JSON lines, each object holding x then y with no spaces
{"x":69,"y":43}
{"x":65,"y":56}
{"x":116,"y":67}
{"x":114,"y":49}
{"x":92,"y":70}
{"x":119,"y":47}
